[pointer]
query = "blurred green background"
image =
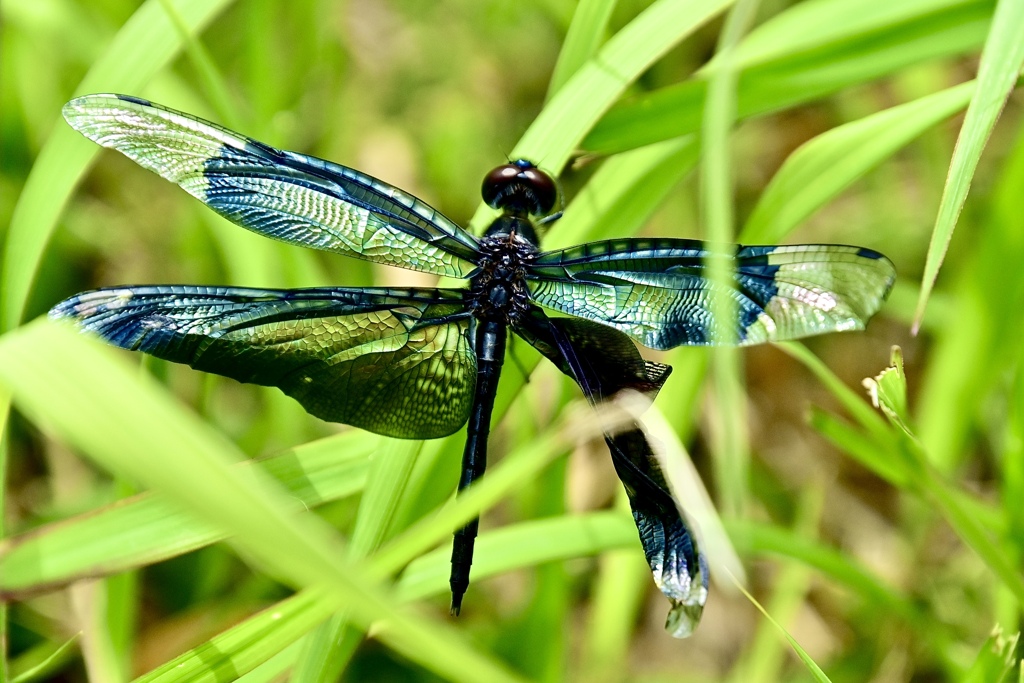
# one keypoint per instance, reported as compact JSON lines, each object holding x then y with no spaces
{"x":889,"y":550}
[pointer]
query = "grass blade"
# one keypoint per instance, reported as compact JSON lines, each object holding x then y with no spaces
{"x":523,"y":545}
{"x":624,"y":192}
{"x":820,"y":169}
{"x":72,"y":386}
{"x":320,"y":658}
{"x":576,"y":107}
{"x":815,"y":670}
{"x":796,"y":76}
{"x":148,"y":528}
{"x":146,"y":43}
{"x":1001,"y":62}
{"x":729,"y":430}
{"x":584,"y":37}
{"x":247,"y":645}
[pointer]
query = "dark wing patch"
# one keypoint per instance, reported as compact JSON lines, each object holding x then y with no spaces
{"x":656,"y":290}
{"x":397,"y":362}
{"x":284,"y":195}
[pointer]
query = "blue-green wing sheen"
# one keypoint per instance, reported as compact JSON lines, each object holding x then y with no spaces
{"x":284,"y":195}
{"x":657,"y":290}
{"x":397,"y":362}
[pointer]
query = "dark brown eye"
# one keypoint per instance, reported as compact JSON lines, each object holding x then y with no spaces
{"x":520,"y":187}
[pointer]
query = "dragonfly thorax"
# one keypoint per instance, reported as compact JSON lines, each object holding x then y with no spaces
{"x":498,"y":291}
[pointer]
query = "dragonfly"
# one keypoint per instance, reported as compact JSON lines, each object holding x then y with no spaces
{"x":419,"y":363}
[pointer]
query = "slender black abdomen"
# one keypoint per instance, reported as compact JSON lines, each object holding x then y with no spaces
{"x":490,"y":353}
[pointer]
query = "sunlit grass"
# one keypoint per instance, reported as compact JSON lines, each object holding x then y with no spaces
{"x":886,"y":544}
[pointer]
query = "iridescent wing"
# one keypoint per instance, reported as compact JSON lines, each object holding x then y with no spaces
{"x":603,"y":362}
{"x":657,"y":290}
{"x":287,"y":196}
{"x":397,"y":362}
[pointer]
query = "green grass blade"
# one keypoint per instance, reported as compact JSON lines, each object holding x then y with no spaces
{"x":577,"y":106}
{"x":73,"y":387}
{"x":815,"y":670}
{"x":820,"y":169}
{"x":922,"y":478}
{"x":584,"y":37}
{"x":623,"y":193}
{"x":5,"y":414}
{"x":996,"y":661}
{"x":515,"y":470}
{"x":98,"y":653}
{"x":795,"y":76}
{"x":1001,"y":61}
{"x":765,"y":657}
{"x":43,"y":662}
{"x":762,"y":539}
{"x":851,"y":400}
{"x":274,"y":669}
{"x":879,"y":458}
{"x":148,"y":528}
{"x":809,"y":25}
{"x":523,"y":545}
{"x":145,"y":44}
{"x":320,"y":658}
{"x":618,"y":594}
{"x":209,"y":78}
{"x":247,"y":645}
{"x":730,"y":437}
{"x":971,"y":530}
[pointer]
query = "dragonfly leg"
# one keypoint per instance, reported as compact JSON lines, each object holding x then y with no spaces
{"x":490,"y":352}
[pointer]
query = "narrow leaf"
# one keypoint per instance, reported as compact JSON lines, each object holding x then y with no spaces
{"x":75,"y":388}
{"x":145,"y":44}
{"x":148,"y":528}
{"x":584,"y":37}
{"x":811,"y":665}
{"x":820,"y":169}
{"x":576,"y":107}
{"x":1001,"y":62}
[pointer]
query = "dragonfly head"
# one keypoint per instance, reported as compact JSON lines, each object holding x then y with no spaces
{"x":520,"y":188}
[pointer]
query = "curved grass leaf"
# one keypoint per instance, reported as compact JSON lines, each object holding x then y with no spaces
{"x":253,"y":641}
{"x":147,"y":528}
{"x":43,"y":661}
{"x":729,"y":434}
{"x":921,"y":478}
{"x":997,"y":660}
{"x":1001,"y":61}
{"x":577,"y":106}
{"x":798,"y":76}
{"x":624,"y":192}
{"x":73,"y":387}
{"x":813,"y":24}
{"x":584,"y":37}
{"x":523,"y":545}
{"x":759,"y":539}
{"x":516,"y":469}
{"x":145,"y":44}
{"x":242,"y":648}
{"x":388,"y":476}
{"x":811,"y":665}
{"x":791,"y":582}
{"x":820,"y":169}
{"x":274,"y":669}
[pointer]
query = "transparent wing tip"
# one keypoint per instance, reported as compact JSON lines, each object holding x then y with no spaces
{"x":686,"y":611}
{"x":683,"y":618}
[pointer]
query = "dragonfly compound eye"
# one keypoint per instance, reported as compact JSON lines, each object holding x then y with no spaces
{"x":520,"y":186}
